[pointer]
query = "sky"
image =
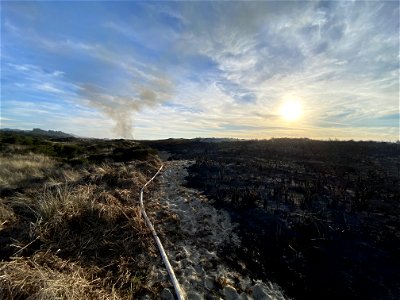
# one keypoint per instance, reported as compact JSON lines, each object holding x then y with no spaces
{"x":154,"y":70}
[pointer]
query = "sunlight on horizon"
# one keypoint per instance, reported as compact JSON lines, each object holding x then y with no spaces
{"x":291,"y":110}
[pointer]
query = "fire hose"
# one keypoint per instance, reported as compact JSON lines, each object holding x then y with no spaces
{"x":174,"y":281}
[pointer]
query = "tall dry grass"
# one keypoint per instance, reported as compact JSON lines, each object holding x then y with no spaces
{"x":83,"y":235}
{"x":7,"y":215}
{"x":17,"y":168}
{"x":21,"y":170}
{"x":45,"y":276}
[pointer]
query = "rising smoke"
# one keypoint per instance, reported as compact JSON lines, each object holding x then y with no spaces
{"x":121,"y":108}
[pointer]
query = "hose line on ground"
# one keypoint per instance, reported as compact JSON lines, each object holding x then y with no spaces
{"x":175,"y":283}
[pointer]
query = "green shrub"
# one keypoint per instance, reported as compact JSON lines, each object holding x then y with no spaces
{"x":46,"y":149}
{"x":67,"y":150}
{"x":134,"y":153}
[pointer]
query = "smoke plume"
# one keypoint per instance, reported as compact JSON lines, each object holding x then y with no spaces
{"x":121,"y":108}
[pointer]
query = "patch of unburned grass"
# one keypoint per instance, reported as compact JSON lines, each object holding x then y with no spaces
{"x":46,"y":276}
{"x":77,"y":234}
{"x":86,"y":223}
{"x":24,"y":170}
{"x":7,"y":215}
{"x":17,"y":168}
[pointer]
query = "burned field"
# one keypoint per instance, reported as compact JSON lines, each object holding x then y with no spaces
{"x":321,"y":219}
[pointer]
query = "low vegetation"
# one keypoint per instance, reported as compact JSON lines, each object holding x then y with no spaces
{"x":70,"y":224}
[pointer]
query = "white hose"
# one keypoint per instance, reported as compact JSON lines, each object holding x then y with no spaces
{"x":175,"y":283}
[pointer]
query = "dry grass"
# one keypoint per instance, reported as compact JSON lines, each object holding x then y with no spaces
{"x":15,"y":169}
{"x":7,"y":215}
{"x":27,"y":170}
{"x":46,"y":276}
{"x":74,"y":236}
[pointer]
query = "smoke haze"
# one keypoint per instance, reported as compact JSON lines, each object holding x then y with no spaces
{"x":121,"y":108}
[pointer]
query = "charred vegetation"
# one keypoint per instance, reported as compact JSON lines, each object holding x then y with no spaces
{"x":320,"y":218}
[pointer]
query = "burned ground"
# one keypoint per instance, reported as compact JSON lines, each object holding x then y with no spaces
{"x":321,"y":219}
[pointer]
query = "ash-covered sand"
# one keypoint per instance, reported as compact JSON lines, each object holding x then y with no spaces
{"x":193,"y":232}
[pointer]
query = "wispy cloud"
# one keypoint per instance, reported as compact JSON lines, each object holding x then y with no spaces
{"x":32,"y":80}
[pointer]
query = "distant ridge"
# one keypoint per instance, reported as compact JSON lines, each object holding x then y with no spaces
{"x":40,"y":132}
{"x":216,"y":140}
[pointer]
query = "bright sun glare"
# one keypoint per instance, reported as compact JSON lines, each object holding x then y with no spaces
{"x":291,"y":110}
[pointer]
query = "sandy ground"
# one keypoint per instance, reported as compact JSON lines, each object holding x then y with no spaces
{"x":192,"y":235}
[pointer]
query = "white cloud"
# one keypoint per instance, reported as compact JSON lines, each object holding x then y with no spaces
{"x":322,"y":77}
{"x":48,"y":87}
{"x":31,"y":79}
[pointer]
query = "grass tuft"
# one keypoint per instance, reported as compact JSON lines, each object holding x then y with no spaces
{"x":73,"y":232}
{"x":46,"y":276}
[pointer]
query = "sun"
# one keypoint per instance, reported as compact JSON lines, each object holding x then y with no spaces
{"x":291,"y":110}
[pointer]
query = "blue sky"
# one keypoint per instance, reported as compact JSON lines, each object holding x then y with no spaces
{"x":210,"y":69}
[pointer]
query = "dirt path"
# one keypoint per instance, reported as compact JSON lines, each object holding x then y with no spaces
{"x":192,"y":235}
